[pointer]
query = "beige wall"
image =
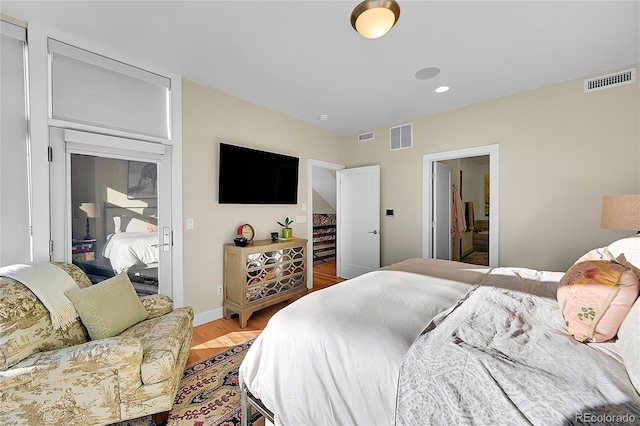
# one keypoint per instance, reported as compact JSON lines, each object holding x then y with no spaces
{"x":210,"y":117}
{"x":560,"y":151}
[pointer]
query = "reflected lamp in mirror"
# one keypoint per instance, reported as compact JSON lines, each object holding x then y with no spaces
{"x":92,"y":211}
{"x":621,"y":212}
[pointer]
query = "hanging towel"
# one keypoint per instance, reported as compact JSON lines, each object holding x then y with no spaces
{"x":459,"y":224}
{"x":469,"y":216}
{"x":48,"y":282}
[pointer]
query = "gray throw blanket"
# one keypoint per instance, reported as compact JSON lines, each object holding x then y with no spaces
{"x":502,"y":357}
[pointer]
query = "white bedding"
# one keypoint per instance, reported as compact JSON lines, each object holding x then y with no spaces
{"x":128,"y":249}
{"x":333,"y":357}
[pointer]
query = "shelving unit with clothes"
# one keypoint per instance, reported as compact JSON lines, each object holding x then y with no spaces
{"x":324,"y":237}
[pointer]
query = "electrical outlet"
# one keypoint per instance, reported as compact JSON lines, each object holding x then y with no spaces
{"x":219,"y":290}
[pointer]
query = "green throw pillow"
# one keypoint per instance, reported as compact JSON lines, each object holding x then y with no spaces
{"x":109,"y":307}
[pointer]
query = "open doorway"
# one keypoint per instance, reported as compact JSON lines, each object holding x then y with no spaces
{"x":484,"y":213}
{"x":322,"y":219}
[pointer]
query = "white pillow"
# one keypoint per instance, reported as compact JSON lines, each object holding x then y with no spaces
{"x":629,"y":344}
{"x":117,"y":224}
{"x":626,"y":251}
{"x":137,"y":225}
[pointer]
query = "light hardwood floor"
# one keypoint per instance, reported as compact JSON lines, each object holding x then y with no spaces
{"x":220,"y":335}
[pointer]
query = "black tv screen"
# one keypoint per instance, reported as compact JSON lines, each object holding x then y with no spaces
{"x":250,"y":176}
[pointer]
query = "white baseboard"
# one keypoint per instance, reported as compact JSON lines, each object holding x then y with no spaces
{"x":208,"y":316}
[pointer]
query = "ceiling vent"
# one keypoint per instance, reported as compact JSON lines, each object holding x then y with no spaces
{"x":363,"y":137}
{"x":401,"y":137}
{"x":610,"y":80}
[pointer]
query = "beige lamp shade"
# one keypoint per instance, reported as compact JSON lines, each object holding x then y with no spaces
{"x":374,"y":18}
{"x":91,"y":209}
{"x":621,"y":212}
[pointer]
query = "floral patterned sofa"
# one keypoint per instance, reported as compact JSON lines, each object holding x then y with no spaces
{"x":60,"y":376}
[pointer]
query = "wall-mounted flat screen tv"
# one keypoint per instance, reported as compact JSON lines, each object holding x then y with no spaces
{"x":250,"y":176}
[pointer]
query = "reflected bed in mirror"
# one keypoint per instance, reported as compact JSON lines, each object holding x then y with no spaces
{"x":130,"y":245}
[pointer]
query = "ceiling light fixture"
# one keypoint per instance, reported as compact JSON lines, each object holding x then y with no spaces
{"x":442,"y":89}
{"x":374,"y":18}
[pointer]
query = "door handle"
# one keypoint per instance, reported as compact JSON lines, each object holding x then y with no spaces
{"x":166,"y":238}
{"x":375,"y":231}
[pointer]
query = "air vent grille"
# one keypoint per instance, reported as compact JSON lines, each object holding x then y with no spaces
{"x":610,"y":80}
{"x":363,"y":137}
{"x":401,"y":137}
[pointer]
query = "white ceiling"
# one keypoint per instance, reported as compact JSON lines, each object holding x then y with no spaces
{"x":302,"y":58}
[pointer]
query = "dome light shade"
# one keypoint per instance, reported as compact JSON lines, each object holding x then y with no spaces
{"x":374,"y":18}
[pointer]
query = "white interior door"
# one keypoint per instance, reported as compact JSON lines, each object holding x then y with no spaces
{"x":358,"y":213}
{"x":441,"y":211}
{"x":125,"y":188}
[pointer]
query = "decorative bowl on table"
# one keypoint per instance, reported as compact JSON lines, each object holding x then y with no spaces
{"x":240,"y":241}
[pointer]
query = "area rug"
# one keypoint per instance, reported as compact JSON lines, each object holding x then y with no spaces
{"x":209,"y":394}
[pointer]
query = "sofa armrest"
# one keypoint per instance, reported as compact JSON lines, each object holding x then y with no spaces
{"x":157,"y":305}
{"x":80,"y":365}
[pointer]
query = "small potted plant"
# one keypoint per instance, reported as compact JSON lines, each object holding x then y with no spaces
{"x":287,"y":232}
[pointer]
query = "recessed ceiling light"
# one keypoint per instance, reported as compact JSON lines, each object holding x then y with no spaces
{"x":427,"y":73}
{"x":324,"y":117}
{"x":442,"y":89}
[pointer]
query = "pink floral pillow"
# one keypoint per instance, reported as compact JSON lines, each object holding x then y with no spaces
{"x":595,"y":297}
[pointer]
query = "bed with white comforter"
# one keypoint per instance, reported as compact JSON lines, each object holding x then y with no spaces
{"x":437,"y":342}
{"x":333,"y":356}
{"x":132,"y":240}
{"x":127,"y":250}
